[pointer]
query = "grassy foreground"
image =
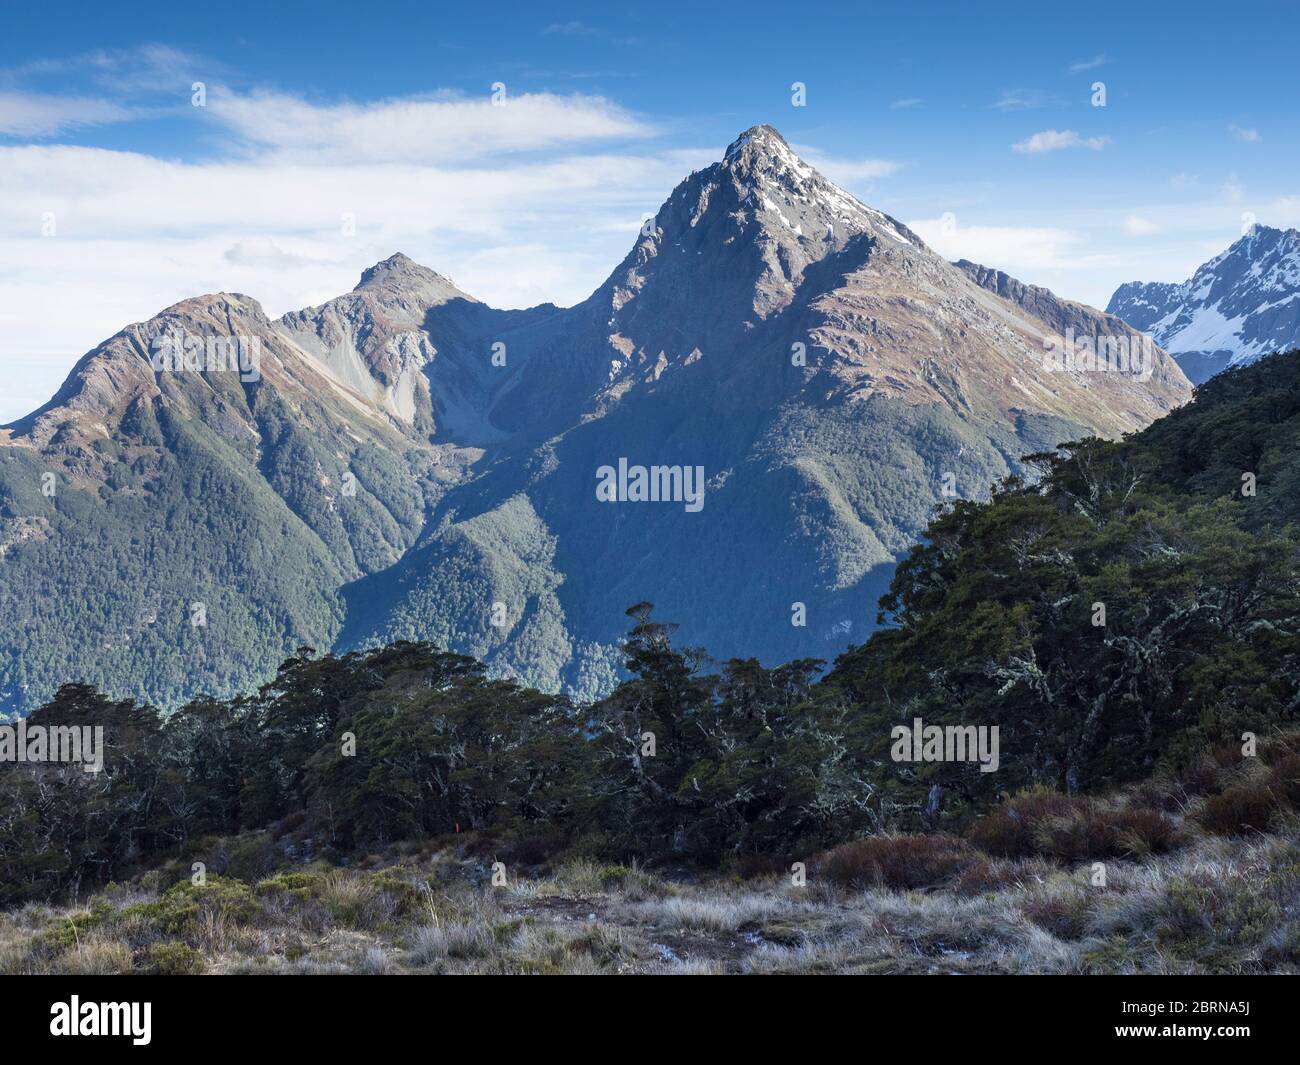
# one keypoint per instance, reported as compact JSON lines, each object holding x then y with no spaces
{"x":1157,"y":879}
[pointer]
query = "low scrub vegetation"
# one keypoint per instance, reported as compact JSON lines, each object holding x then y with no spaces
{"x":1125,"y":624}
{"x":891,"y":905}
{"x":897,"y":861}
{"x":1044,"y":883}
{"x":1071,"y":828}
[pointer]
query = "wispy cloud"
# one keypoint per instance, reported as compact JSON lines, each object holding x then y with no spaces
{"x":905,"y":104}
{"x":442,"y":128}
{"x":577,"y":28}
{"x":1250,"y":136}
{"x":123,"y":72}
{"x":27,"y":114}
{"x":1080,"y":65}
{"x":1053,"y":140}
{"x":1009,"y":248}
{"x":1137,"y":226}
{"x":572,"y":29}
{"x":1024,"y":100}
{"x":113,"y":86}
{"x":845,"y":171}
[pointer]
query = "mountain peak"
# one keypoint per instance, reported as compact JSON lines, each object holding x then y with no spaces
{"x":398,"y":267}
{"x":747,"y":227}
{"x":789,"y":194}
{"x":761,"y":149}
{"x":400,"y":282}
{"x":1260,"y":238}
{"x":761,"y":136}
{"x":1235,"y":308}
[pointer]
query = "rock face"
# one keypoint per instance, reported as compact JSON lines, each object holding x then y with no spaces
{"x":1239,"y":306}
{"x":406,"y":462}
{"x":1061,"y":315}
{"x":195,"y":516}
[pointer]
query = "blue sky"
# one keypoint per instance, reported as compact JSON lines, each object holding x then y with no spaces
{"x":972,"y":123}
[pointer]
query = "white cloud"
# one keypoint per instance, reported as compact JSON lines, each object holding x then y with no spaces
{"x":1080,"y":65}
{"x":845,"y":171}
{"x":29,"y":114}
{"x":137,"y":233}
{"x":1233,"y":190}
{"x":1052,"y":140}
{"x":442,"y":129}
{"x":1024,"y":100}
{"x":1010,"y":248}
{"x":572,"y":29}
{"x":1250,"y":136}
{"x":266,"y":252}
{"x":909,"y":102}
{"x":1137,"y":226}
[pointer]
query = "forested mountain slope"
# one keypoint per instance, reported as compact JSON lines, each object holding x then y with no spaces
{"x":405,"y":462}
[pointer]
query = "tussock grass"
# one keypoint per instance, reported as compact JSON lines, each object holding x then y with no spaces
{"x":445,"y":940}
{"x":96,"y":955}
{"x":710,"y":913}
{"x":1175,"y":896}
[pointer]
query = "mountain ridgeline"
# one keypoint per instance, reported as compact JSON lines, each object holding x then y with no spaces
{"x":406,"y":463}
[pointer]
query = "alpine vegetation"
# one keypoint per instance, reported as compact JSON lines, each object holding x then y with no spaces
{"x":654,"y":484}
{"x":66,"y":744}
{"x":919,"y":742}
{"x":398,"y":809}
{"x":1122,"y":354}
{"x":175,"y":352}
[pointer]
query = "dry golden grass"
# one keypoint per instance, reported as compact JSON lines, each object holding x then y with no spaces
{"x":1128,"y":885}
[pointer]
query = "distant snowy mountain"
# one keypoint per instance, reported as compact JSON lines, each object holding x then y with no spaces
{"x":1240,"y":305}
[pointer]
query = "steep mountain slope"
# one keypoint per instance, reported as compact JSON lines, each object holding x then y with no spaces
{"x":1135,"y":606}
{"x":408,"y":462}
{"x":1061,"y":315}
{"x":826,"y":370}
{"x":165,"y":530}
{"x":1238,"y":306}
{"x":416,"y":346}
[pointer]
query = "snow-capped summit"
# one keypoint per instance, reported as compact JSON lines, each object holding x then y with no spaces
{"x":783,"y":187}
{"x":1242,"y":304}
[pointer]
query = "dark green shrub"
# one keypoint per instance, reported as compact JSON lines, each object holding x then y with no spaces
{"x":173,"y":959}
